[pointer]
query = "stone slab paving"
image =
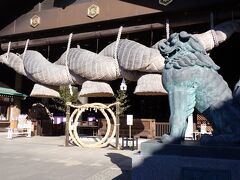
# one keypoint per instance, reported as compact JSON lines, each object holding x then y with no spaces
{"x":46,"y":158}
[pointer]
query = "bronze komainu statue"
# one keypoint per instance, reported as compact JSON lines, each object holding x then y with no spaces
{"x":190,"y":76}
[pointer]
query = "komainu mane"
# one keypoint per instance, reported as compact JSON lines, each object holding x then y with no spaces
{"x":190,"y":76}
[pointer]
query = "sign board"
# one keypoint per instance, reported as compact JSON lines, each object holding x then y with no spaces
{"x":130,"y":120}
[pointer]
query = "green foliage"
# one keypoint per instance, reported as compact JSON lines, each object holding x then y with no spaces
{"x":121,"y":97}
{"x":65,"y":96}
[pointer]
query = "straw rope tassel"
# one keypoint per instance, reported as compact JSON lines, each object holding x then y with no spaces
{"x":66,"y":63}
{"x":115,"y":50}
{"x":167,"y":29}
{"x":8,"y":51}
{"x":25,"y":49}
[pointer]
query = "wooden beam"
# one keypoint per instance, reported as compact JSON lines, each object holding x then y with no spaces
{"x":80,"y":36}
{"x":176,"y":21}
{"x":76,"y":14}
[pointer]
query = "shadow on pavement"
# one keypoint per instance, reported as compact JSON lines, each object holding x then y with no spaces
{"x":124,"y":163}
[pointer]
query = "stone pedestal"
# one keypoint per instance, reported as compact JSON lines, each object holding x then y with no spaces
{"x":186,"y":161}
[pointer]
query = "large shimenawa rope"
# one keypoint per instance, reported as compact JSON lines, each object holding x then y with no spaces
{"x":132,"y":57}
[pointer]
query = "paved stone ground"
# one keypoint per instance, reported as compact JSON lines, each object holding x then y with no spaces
{"x":46,"y":158}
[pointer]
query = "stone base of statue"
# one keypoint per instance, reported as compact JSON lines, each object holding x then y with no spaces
{"x":186,"y":161}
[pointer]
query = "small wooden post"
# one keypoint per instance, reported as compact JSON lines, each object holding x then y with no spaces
{"x":117,"y":124}
{"x":67,"y":124}
{"x":130,"y":131}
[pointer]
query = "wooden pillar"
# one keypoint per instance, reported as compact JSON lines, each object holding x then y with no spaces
{"x":67,"y":124}
{"x":117,"y":123}
{"x":18,"y":87}
{"x":9,"y":109}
